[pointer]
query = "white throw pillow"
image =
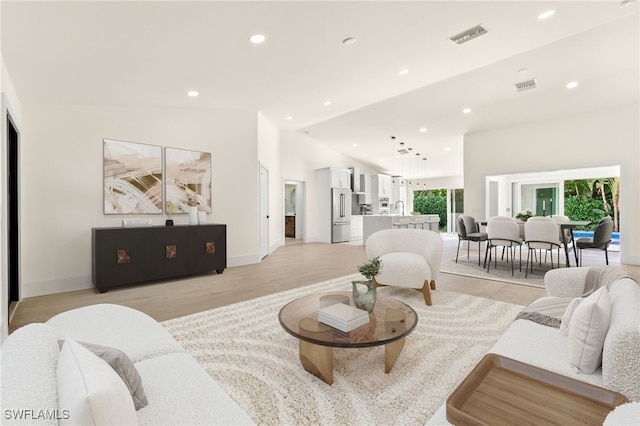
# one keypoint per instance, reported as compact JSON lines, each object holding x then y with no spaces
{"x":90,"y":390}
{"x":588,"y":329}
{"x":568,"y":313}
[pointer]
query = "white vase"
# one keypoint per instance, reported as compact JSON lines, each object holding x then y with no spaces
{"x":202,"y":218}
{"x":193,"y":215}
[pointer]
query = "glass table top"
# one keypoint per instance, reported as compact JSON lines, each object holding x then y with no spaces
{"x":390,"y":320}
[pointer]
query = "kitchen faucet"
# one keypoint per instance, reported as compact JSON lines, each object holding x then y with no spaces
{"x":400,"y":201}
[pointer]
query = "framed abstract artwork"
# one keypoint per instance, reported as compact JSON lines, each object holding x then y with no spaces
{"x":132,"y":178}
{"x":187,"y":179}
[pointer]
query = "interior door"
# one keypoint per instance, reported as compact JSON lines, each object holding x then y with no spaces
{"x":13,"y":214}
{"x":264,"y":211}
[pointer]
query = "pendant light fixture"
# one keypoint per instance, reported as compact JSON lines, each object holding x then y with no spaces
{"x":393,"y":155}
{"x":424,"y":172}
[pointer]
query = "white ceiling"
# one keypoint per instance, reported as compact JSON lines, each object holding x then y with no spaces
{"x":150,"y":53}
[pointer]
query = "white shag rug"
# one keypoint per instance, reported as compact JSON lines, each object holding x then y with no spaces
{"x":245,"y":349}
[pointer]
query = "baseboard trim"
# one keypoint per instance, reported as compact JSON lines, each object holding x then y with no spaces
{"x":62,"y":285}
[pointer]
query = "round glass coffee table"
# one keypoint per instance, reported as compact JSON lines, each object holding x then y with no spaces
{"x":389,"y":323}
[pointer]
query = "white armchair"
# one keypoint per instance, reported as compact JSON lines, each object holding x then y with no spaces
{"x":409,"y":258}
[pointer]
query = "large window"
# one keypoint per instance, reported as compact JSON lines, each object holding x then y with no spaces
{"x":434,"y":201}
{"x":580,"y":194}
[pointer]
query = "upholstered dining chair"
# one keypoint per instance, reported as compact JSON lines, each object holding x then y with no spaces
{"x":409,"y":258}
{"x":601,"y":238}
{"x":503,"y":232}
{"x":469,"y":230}
{"x":541,"y":233}
{"x":567,"y":232}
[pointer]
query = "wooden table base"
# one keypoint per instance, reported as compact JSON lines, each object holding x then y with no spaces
{"x":318,"y":359}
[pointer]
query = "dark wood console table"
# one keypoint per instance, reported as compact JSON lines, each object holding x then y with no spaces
{"x":122,"y":256}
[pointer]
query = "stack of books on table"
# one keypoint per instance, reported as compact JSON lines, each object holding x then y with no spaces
{"x":343,"y":317}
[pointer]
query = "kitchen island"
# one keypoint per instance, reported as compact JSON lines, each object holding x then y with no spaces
{"x":373,"y":223}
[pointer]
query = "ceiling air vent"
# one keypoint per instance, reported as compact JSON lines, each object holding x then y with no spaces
{"x":403,"y":151}
{"x":526,"y":85}
{"x":470,"y":34}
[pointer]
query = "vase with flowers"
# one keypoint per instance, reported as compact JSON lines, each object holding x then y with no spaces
{"x":366,"y":300}
{"x":169,"y":210}
{"x":524,"y":215}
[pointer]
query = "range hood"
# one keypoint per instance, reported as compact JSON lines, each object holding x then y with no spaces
{"x":355,"y":181}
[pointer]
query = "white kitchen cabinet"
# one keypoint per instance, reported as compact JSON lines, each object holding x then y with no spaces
{"x":340,"y":178}
{"x":384,"y":185}
{"x":356,"y":227}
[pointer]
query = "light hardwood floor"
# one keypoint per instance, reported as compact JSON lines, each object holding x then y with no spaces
{"x":291,"y":266}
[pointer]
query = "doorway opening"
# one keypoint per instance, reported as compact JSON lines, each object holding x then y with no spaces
{"x":264,"y":211}
{"x":13,"y":216}
{"x":294,"y":212}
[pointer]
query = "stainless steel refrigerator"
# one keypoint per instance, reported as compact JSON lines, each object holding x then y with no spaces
{"x":341,"y":215}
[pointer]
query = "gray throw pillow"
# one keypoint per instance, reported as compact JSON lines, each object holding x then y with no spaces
{"x":122,"y":365}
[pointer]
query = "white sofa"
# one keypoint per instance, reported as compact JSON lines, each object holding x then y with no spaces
{"x":546,"y":347}
{"x":178,"y":390}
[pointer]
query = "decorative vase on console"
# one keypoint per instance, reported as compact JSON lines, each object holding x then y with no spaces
{"x":366,"y":300}
{"x":202,"y":218}
{"x":193,"y":210}
{"x":169,"y":210}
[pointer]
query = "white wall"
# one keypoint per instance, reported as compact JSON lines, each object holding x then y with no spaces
{"x":595,"y":139}
{"x":269,"y":156}
{"x":62,"y":174}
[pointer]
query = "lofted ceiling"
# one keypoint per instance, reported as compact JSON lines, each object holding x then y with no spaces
{"x":150,"y":53}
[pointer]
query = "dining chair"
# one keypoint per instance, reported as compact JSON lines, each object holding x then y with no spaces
{"x":503,"y":232}
{"x":469,"y":230}
{"x":541,"y":233}
{"x":566,"y":233}
{"x":566,"y":236}
{"x":601,"y":238}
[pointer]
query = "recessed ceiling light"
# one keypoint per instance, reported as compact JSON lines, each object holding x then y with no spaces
{"x":447,"y":149}
{"x":404,"y":72}
{"x":348,"y":41}
{"x":257,"y":38}
{"x":523,"y":71}
{"x":327,"y":103}
{"x":382,"y":160}
{"x":355,"y":144}
{"x":466,"y":110}
{"x":289,"y":118}
{"x":547,"y":14}
{"x":192,"y":93}
{"x":423,"y":129}
{"x":627,"y":2}
{"x":572,"y":85}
